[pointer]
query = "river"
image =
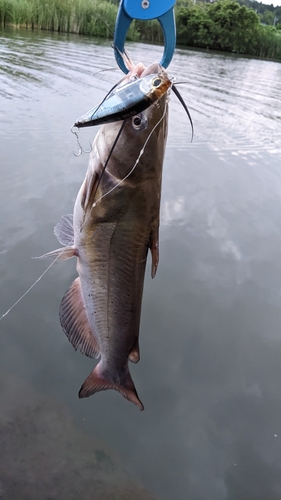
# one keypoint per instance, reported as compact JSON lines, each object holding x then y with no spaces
{"x":210,"y":369}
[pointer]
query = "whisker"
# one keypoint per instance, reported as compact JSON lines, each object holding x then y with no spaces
{"x":125,"y":56}
{"x":105,"y":69}
{"x":180,"y":98}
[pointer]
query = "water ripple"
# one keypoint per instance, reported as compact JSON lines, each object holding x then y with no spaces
{"x":234,"y":101}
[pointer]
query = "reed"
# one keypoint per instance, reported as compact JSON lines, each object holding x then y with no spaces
{"x":87,"y":17}
{"x":149,"y":31}
{"x":269,"y":43}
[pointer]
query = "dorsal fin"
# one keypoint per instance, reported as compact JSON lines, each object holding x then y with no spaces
{"x":75,"y":323}
{"x":64,"y":230}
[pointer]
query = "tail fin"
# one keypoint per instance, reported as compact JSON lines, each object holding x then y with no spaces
{"x":97,"y":381}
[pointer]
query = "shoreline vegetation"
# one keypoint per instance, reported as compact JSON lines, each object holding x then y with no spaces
{"x":223,"y":25}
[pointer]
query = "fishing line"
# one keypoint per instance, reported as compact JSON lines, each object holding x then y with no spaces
{"x":106,"y":25}
{"x":33,"y":285}
{"x":137,"y":160}
{"x":109,"y":156}
{"x":114,"y":46}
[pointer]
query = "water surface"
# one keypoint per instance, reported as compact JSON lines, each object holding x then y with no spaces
{"x":210,"y":369}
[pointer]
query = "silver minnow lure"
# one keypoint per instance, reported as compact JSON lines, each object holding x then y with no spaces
{"x":127,"y":100}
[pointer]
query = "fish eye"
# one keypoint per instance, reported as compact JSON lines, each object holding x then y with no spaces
{"x":156,"y":82}
{"x":139,"y":122}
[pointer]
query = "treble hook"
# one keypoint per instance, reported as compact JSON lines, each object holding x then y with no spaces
{"x":80,"y":148}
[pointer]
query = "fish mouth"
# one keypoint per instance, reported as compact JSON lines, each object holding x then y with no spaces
{"x":135,"y":92}
{"x":140,"y":70}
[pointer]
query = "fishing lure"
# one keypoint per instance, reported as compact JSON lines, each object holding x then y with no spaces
{"x":126,"y":100}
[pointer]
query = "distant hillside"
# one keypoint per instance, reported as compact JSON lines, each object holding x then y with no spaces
{"x":268,"y":14}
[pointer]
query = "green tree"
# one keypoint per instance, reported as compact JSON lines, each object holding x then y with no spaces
{"x":267,"y":17}
{"x":223,"y":25}
{"x":236,"y":26}
{"x":194,"y":26}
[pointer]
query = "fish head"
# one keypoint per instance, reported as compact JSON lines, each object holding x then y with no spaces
{"x":142,"y":137}
{"x":127,"y":157}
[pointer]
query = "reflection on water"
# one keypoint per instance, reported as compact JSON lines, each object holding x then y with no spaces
{"x":210,"y":333}
{"x":43,"y":456}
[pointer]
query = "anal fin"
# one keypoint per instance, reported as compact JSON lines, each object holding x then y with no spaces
{"x":75,"y":323}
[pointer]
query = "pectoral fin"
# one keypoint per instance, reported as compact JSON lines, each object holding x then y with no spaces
{"x":75,"y":323}
{"x":63,"y":253}
{"x":154,"y":248}
{"x":65,"y":235}
{"x":64,"y":230}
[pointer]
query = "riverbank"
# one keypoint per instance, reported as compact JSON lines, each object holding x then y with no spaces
{"x":223,"y":25}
